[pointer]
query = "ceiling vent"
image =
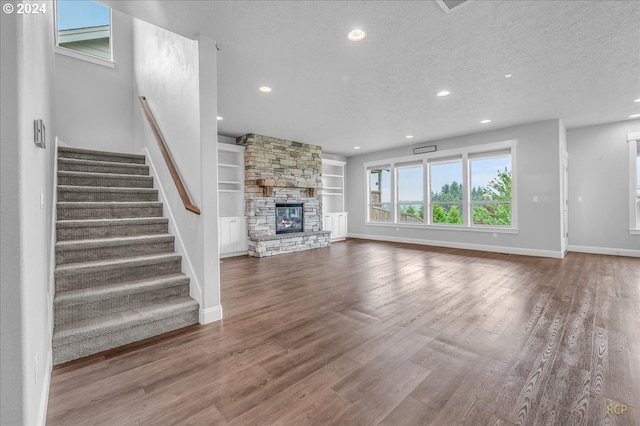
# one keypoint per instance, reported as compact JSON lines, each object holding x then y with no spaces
{"x":449,"y":5}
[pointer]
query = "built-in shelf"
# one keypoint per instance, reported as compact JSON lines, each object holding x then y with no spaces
{"x":232,"y":234}
{"x":333,"y":208}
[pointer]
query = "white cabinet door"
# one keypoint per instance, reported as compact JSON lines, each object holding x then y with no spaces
{"x":337,"y":224}
{"x":340,"y":226}
{"x":327,"y":223}
{"x":233,"y":235}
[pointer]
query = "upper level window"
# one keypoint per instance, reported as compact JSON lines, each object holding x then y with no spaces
{"x":84,"y":27}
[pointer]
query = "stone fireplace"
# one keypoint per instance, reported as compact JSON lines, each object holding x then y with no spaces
{"x":283,"y":195}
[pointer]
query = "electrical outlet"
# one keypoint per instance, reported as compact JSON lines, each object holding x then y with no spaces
{"x":41,"y":199}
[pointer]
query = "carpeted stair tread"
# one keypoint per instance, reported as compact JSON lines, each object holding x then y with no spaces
{"x":77,"y":210}
{"x":106,"y":180}
{"x":83,"y":229}
{"x":113,"y":242}
{"x":75,"y":193}
{"x":69,"y":298}
{"x":112,"y":189}
{"x":68,"y":333}
{"x":62,"y":270}
{"x":77,"y":164}
{"x":66,"y":152}
{"x":127,"y":221}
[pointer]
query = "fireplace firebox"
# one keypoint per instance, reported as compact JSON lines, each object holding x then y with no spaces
{"x":289,"y":218}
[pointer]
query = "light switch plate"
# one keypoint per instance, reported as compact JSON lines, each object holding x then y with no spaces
{"x":39,"y":133}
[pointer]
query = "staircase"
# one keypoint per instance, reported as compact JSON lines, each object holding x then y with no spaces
{"x":118,"y":279}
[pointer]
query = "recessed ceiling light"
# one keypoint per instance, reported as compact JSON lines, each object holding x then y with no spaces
{"x":219,"y":118}
{"x":443,"y":93}
{"x":357,"y":35}
{"x":356,"y":147}
{"x":265,"y":89}
{"x":409,"y":136}
{"x":508,"y":75}
{"x":637,"y":100}
{"x":485,"y":121}
{"x":634,"y":116}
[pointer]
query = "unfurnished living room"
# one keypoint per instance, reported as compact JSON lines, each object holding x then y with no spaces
{"x":320,"y":212}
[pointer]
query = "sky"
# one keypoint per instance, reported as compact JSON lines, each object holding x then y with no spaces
{"x":410,"y":179}
{"x":81,"y":14}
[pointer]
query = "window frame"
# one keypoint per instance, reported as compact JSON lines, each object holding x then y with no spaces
{"x":463,"y":153}
{"x":87,"y":57}
{"x":633,"y":140}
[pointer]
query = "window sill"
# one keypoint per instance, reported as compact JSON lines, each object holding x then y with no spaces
{"x":634,"y":231}
{"x":496,"y":230}
{"x":83,"y":57}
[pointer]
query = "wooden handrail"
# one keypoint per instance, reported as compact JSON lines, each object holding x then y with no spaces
{"x":167,"y":157}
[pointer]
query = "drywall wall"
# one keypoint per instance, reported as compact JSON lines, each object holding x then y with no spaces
{"x":226,"y":139}
{"x":598,"y":188}
{"x":27,"y":171}
{"x":94,"y":103}
{"x":537,"y":175}
{"x":166,"y":71}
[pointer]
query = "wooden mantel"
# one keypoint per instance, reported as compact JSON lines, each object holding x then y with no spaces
{"x":268,"y":185}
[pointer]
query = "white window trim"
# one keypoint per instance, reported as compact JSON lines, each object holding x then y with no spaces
{"x":633,"y":140}
{"x":109,"y":63}
{"x":464,"y":153}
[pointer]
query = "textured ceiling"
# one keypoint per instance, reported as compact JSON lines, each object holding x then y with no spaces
{"x":574,"y":60}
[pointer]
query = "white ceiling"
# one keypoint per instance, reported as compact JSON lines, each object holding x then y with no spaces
{"x":574,"y":60}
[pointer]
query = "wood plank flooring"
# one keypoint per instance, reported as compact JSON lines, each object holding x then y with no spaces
{"x":367,"y":333}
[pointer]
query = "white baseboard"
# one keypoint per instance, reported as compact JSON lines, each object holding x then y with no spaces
{"x":44,"y":394}
{"x":465,"y":246}
{"x":211,"y":314}
{"x":604,"y":250}
{"x":234,"y":254}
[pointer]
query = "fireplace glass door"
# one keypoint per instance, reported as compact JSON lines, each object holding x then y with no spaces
{"x":289,"y":218}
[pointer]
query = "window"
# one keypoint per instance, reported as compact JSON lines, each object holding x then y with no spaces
{"x":410,"y":205}
{"x":491,"y":188}
{"x":84,"y":27}
{"x":380,"y":195}
{"x":446,"y":191}
{"x":470,"y":188}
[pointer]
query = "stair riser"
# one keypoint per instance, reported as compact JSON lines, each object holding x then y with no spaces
{"x":105,"y":253}
{"x":90,"y":196}
{"x":100,"y":157}
{"x":141,"y":170}
{"x":74,"y":280}
{"x":118,"y":304}
{"x":108,"y":212}
{"x":134,"y":182}
{"x":94,"y":232}
{"x":93,"y":345}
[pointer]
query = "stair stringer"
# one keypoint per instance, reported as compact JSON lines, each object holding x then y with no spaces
{"x":195,"y":288}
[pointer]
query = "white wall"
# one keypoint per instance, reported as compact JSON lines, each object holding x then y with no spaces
{"x":537,"y":175}
{"x":94,"y":103}
{"x":27,"y":67}
{"x":226,"y":139}
{"x":598,"y":174}
{"x":166,"y":71}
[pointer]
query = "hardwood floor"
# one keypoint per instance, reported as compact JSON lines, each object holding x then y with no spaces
{"x":366,"y":333}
